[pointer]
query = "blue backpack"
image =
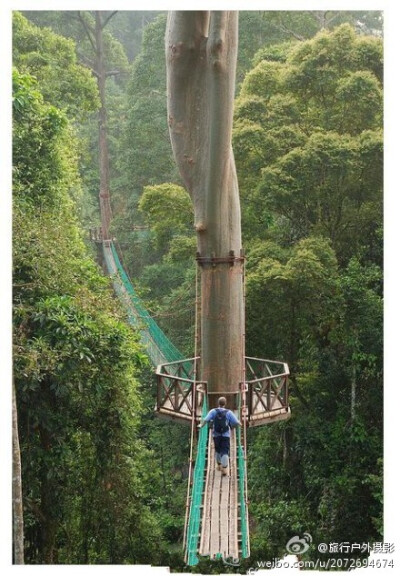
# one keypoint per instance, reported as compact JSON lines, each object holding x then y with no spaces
{"x":221,"y":423}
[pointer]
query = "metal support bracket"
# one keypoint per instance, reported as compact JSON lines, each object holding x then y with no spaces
{"x":214,"y":260}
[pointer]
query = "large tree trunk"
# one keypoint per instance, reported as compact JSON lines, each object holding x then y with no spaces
{"x":104,"y":161}
{"x":201,"y":53}
{"x":17,"y":504}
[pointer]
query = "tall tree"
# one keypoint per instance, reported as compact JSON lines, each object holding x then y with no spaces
{"x":201,"y":51}
{"x":95,"y":36}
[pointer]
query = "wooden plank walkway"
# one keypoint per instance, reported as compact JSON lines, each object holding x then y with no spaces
{"x":219,"y":528}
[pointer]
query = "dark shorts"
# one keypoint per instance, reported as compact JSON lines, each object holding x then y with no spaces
{"x":222,"y":445}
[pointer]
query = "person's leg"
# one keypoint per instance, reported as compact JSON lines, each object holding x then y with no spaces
{"x":225,"y":461}
{"x":217,"y":451}
{"x":224,"y":451}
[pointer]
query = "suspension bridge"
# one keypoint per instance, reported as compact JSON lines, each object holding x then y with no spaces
{"x":216,"y":518}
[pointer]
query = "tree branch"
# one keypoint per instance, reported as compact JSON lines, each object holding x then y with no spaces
{"x":113,"y":73}
{"x":77,"y":17}
{"x":322,"y":18}
{"x":280,"y":26}
{"x":88,"y":31}
{"x":86,"y":61}
{"x":106,"y":21}
{"x":332,"y":18}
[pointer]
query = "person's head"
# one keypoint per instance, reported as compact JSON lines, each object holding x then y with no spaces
{"x":222,"y":401}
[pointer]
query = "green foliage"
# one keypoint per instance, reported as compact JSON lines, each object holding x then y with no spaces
{"x":300,"y":286}
{"x":39,"y":131}
{"x":168,"y":212}
{"x":75,"y":365}
{"x":270,"y":34}
{"x":324,"y":187}
{"x":127,"y":27}
{"x":309,"y":143}
{"x":308,"y":146}
{"x":68,"y":24}
{"x":52,"y":60}
{"x":147,"y":157}
{"x":144,"y":150}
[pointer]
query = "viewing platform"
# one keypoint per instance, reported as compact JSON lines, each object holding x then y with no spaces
{"x":266,"y":386}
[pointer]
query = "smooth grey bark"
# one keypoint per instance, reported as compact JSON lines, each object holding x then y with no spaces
{"x":17,"y":504}
{"x":201,"y":54}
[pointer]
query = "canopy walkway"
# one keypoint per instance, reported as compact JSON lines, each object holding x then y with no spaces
{"x":216,"y":522}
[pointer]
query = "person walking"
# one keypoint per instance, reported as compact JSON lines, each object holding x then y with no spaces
{"x":223,"y":420}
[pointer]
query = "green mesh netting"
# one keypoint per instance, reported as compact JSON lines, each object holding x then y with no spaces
{"x":193,"y":531}
{"x":160,"y":348}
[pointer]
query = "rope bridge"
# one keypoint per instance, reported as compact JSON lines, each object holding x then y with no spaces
{"x":216,"y":523}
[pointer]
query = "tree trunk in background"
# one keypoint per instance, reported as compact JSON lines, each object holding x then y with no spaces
{"x":201,"y":53}
{"x":104,"y":161}
{"x":18,"y":512}
{"x":98,"y":68}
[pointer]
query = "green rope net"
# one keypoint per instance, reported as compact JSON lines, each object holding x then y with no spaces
{"x":159,"y":347}
{"x":193,"y":531}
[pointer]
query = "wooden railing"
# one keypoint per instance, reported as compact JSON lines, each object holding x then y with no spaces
{"x":266,"y":386}
{"x":178,"y":394}
{"x":267,"y":383}
{"x":96,"y":234}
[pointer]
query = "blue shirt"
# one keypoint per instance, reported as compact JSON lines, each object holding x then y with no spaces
{"x":232,"y":421}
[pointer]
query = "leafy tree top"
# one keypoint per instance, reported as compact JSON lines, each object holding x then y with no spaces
{"x":52,"y":60}
{"x":308,"y":140}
